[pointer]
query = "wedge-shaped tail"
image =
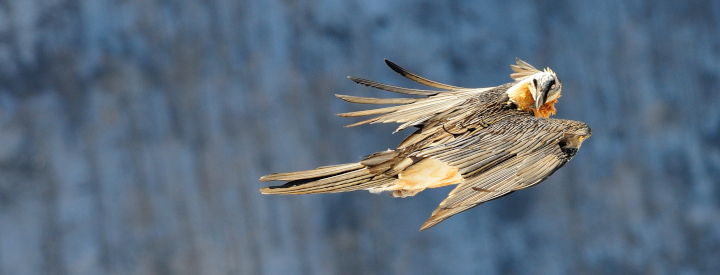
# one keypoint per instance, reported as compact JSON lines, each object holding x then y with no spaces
{"x":328,"y":179}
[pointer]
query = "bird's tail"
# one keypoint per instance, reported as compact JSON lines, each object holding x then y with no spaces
{"x":377,"y":171}
{"x":327,"y":179}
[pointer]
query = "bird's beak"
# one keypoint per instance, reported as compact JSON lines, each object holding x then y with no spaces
{"x":540,"y":96}
{"x":538,"y":101}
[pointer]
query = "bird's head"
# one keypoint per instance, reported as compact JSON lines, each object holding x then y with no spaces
{"x":534,"y":90}
{"x":545,"y":87}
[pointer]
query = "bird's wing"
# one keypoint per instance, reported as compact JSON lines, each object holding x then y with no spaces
{"x":522,"y":69}
{"x":510,"y":155}
{"x":411,"y":111}
{"x":419,"y":79}
{"x":451,"y":104}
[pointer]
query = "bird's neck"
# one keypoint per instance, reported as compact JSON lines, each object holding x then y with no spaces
{"x":546,"y":110}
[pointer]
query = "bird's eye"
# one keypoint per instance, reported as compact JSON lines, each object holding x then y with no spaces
{"x":552,"y":83}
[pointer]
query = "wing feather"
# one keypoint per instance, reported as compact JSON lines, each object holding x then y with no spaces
{"x":414,"y":113}
{"x":391,"y":88}
{"x":371,"y":112}
{"x":419,"y":79}
{"x":373,"y":100}
{"x":522,"y":69}
{"x":510,"y":155}
{"x":441,"y":114}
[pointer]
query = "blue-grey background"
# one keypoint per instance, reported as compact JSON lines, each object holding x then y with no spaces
{"x":132,"y":134}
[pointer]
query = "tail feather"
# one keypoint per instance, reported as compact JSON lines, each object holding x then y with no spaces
{"x":333,"y":179}
{"x":314,"y":173}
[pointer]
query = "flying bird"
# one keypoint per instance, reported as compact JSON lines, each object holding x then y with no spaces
{"x":488,"y":141}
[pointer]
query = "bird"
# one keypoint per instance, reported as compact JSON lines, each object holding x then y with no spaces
{"x":488,"y":142}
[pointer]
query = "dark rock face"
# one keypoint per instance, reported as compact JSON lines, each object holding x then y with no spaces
{"x":132,"y":134}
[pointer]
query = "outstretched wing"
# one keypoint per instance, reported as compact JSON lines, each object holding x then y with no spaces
{"x":510,"y":155}
{"x":412,"y":111}
{"x":440,"y":114}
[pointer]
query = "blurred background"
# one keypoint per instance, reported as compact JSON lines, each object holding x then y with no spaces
{"x":132,"y":134}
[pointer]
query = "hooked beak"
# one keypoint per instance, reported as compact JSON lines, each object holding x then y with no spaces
{"x":538,"y":101}
{"x":542,"y":89}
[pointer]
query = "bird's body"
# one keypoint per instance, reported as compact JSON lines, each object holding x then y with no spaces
{"x":488,"y":141}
